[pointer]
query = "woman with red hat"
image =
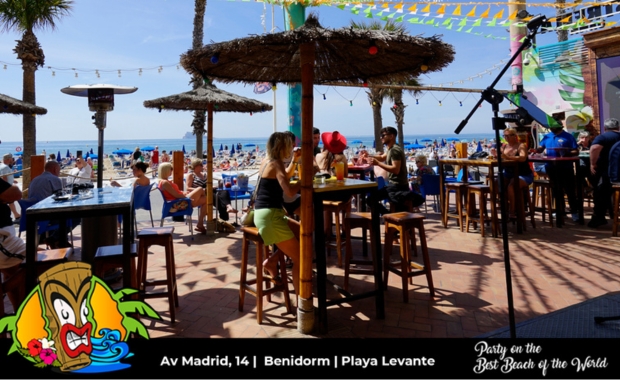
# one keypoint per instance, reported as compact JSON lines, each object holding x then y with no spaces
{"x":334,"y":145}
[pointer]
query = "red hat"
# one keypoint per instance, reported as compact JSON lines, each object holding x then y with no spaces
{"x":334,"y":142}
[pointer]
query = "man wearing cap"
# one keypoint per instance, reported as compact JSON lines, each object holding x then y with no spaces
{"x":316,"y":138}
{"x":599,"y":165}
{"x":394,"y":162}
{"x":559,"y":143}
{"x":6,"y":172}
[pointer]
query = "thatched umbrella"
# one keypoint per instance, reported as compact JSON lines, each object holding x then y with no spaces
{"x":18,"y":107}
{"x":313,"y":54}
{"x":211,"y":99}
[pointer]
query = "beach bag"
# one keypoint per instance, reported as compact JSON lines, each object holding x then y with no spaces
{"x":12,"y":250}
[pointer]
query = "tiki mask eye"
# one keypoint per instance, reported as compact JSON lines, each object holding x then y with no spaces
{"x":64,"y":312}
{"x":84,"y":312}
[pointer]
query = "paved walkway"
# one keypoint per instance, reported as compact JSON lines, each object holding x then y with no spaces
{"x":552,"y":268}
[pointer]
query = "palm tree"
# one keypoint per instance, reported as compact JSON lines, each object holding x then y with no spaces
{"x":377,"y":95}
{"x":199,"y":116}
{"x":396,"y":95}
{"x":26,"y":16}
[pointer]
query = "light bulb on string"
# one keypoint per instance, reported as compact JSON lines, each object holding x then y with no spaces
{"x":140,"y":72}
{"x":161,"y":107}
{"x":417,"y":101}
{"x":440,"y":103}
{"x":76,"y":75}
{"x":53,"y":73}
{"x":119,"y":73}
{"x":324,"y":98}
{"x":215,"y":58}
{"x":250,"y":113}
{"x":460,"y":104}
{"x":351,"y":103}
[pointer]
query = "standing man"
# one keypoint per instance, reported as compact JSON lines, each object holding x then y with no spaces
{"x":599,"y":166}
{"x":6,"y":172}
{"x":154,"y":161}
{"x":394,"y":162}
{"x":560,"y":143}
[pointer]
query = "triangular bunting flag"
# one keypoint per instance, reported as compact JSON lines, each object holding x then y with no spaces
{"x":449,"y":27}
{"x":566,"y":19}
{"x":448,"y":21}
{"x":499,"y":14}
{"x":485,"y":14}
{"x":469,"y":31}
{"x":457,"y":11}
{"x":505,"y":22}
{"x":385,"y":5}
{"x":399,"y":19}
{"x":384,"y":18}
{"x":513,"y":15}
{"x":392,"y":15}
{"x":414,"y":20}
{"x":431,"y":22}
{"x":369,"y":15}
{"x":460,"y":29}
{"x":341,"y":6}
{"x":478,"y":22}
{"x":463,"y":22}
{"x":492,"y":23}
{"x":398,"y":6}
{"x":441,"y":10}
{"x":427,"y":8}
{"x":380,"y":14}
{"x":368,"y":10}
{"x":413,"y":9}
{"x":552,"y":19}
{"x":472,"y":13}
{"x":355,"y":11}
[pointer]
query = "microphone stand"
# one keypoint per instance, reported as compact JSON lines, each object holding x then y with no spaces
{"x":492,"y":96}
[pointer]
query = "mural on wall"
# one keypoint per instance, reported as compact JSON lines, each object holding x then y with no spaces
{"x":553,"y":79}
{"x":608,"y":70}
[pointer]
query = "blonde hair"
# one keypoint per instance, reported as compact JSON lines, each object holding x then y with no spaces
{"x":195,"y":162}
{"x":423,"y":159}
{"x":511,"y":130}
{"x":164,"y":170}
{"x":279,"y":146}
{"x":583,"y":134}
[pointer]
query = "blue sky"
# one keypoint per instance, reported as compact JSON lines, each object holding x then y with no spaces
{"x":124,"y":35}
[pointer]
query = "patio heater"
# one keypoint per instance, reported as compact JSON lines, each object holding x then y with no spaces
{"x":98,"y":231}
{"x":100,"y":101}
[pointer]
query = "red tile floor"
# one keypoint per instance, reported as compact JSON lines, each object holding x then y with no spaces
{"x":552,"y":268}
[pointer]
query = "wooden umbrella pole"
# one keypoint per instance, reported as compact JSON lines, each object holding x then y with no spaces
{"x":305,"y":307}
{"x":210,"y":222}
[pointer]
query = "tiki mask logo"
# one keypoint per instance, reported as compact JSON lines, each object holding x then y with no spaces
{"x":73,"y":321}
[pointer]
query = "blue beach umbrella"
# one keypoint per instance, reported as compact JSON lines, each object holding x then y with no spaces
{"x":426,"y":140}
{"x":416,"y":141}
{"x":406,"y":143}
{"x":452,"y":139}
{"x":91,"y":150}
{"x":122,"y":151}
{"x":443,"y":143}
{"x":479,"y":148}
{"x":183,"y":148}
{"x":415,"y":146}
{"x":374,"y":143}
{"x":250,"y":145}
{"x":93,"y":156}
{"x":147,"y":149}
{"x":221,"y":147}
{"x":87,"y":155}
{"x":18,"y":153}
{"x":58,"y":157}
{"x":68,"y":154}
{"x":232,"y":151}
{"x":356,"y":142}
{"x":213,"y":150}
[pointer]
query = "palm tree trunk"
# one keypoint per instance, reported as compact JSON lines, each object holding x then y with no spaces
{"x":375,"y":98}
{"x":562,"y":34}
{"x":199,"y":116}
{"x":399,"y":113}
{"x":30,"y":53}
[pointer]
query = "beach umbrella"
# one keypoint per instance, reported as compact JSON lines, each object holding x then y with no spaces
{"x":479,"y":148}
{"x":250,"y":145}
{"x":356,"y":142}
{"x":443,"y":143}
{"x":208,"y":98}
{"x":415,"y":146}
{"x":213,"y":150}
{"x":312,"y":54}
{"x":374,"y":144}
{"x":18,"y":107}
{"x":453,"y":139}
{"x":232,"y":150}
{"x":122,"y":151}
{"x":91,"y":150}
{"x":183,"y":149}
{"x":18,"y":153}
{"x":426,"y":140}
{"x":416,"y":141}
{"x":147,"y":149}
{"x":87,"y":154}
{"x":58,"y":158}
{"x":68,"y":154}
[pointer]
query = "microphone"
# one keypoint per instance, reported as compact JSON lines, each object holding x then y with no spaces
{"x":536,"y":22}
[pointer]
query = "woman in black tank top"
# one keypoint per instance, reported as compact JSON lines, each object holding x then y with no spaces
{"x":269,"y":215}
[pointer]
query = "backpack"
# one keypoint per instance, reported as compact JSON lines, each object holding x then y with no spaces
{"x":614,"y":163}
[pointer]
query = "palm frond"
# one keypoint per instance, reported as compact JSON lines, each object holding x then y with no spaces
{"x":139,"y":307}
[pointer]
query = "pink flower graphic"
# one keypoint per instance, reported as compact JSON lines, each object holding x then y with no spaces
{"x":48,"y":356}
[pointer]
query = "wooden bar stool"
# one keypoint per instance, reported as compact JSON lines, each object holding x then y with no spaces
{"x":338,"y":208}
{"x":406,"y":223}
{"x":527,"y":200}
{"x":615,"y":187}
{"x":358,"y":220}
{"x":260,"y":286}
{"x":158,"y":236}
{"x":459,"y":189}
{"x":111,"y":257}
{"x":542,"y":188}
{"x":482,"y":191}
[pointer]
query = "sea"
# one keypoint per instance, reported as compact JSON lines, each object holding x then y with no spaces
{"x":73,"y":146}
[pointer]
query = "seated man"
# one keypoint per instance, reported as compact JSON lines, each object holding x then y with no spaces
{"x":82,"y":173}
{"x":397,"y":187}
{"x":45,"y":184}
{"x":10,"y":260}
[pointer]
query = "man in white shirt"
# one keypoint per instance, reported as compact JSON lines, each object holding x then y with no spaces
{"x":81,"y":173}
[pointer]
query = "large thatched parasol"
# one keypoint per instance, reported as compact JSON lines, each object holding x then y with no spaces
{"x":313,"y":54}
{"x":18,"y":107}
{"x":211,"y":99}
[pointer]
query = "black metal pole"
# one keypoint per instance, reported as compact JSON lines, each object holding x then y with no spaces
{"x":100,"y":123}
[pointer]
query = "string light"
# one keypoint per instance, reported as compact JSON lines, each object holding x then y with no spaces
{"x":324,"y":98}
{"x":351,"y":103}
{"x":119,"y":73}
{"x":140,"y":72}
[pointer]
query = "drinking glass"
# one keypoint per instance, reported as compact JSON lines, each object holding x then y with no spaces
{"x":340,"y":171}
